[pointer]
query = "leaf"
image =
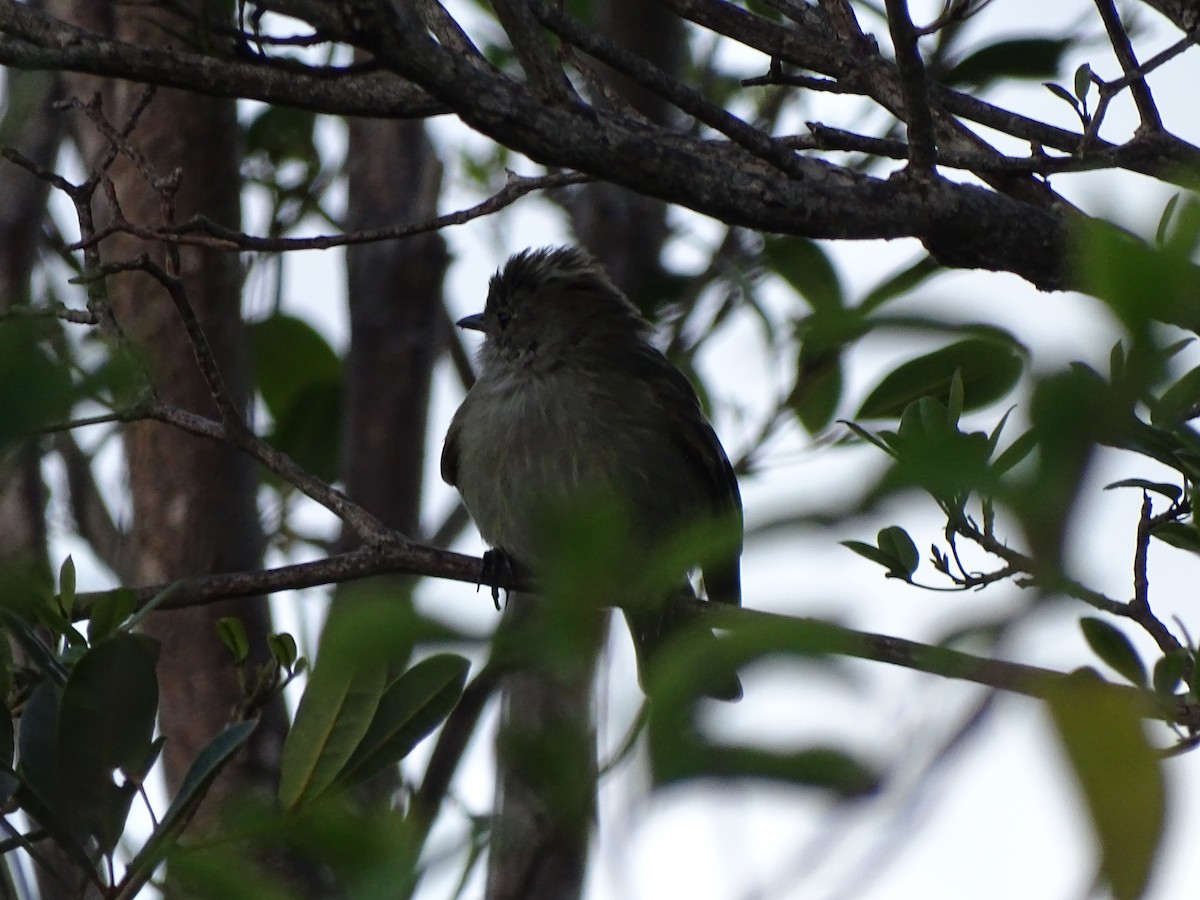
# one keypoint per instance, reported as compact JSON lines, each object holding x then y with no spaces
{"x":1059,"y":91}
{"x":1164,"y":221}
{"x":283,"y":649}
{"x":108,"y":612}
{"x":200,"y":775}
{"x":1119,"y":774}
{"x":1181,"y":401}
{"x":895,"y":542}
{"x":989,"y":368}
{"x":899,"y":558}
{"x":289,"y":357}
{"x":309,"y":430}
{"x":66,"y":586}
{"x":412,"y":706}
{"x":105,"y":724}
{"x":282,"y":133}
{"x":1082,"y":82}
{"x":1179,"y":535}
{"x":1111,"y":645}
{"x":806,"y":268}
{"x":35,"y":391}
{"x":1169,"y":671}
{"x":1171,"y":491}
{"x":334,"y":714}
{"x":900,"y":283}
{"x":232,"y":633}
{"x":817,"y":392}
{"x":1034,"y":58}
{"x":679,"y":749}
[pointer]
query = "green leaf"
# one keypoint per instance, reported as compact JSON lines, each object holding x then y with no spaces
{"x":1180,"y":402}
{"x":988,"y":368}
{"x":1171,"y":491}
{"x":1119,"y":774}
{"x":1059,"y":91}
{"x":335,"y":713}
{"x":1169,"y":671}
{"x":283,"y":649}
{"x":282,"y":133}
{"x":200,"y":775}
{"x":1111,"y":645}
{"x":66,"y":586}
{"x":895,"y":542}
{"x":35,"y":391}
{"x":806,"y":268}
{"x":106,"y":723}
{"x":817,"y":392}
{"x":1035,"y":58}
{"x":1164,"y":221}
{"x":1138,"y":281}
{"x":109,"y":611}
{"x":309,"y":430}
{"x":1083,"y":82}
{"x":411,"y":708}
{"x":900,"y":283}
{"x":232,"y":633}
{"x":679,"y":748}
{"x":289,"y":357}
{"x":1179,"y":535}
{"x":896,"y":552}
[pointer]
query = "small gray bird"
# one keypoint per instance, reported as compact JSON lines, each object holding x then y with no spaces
{"x":573,"y":398}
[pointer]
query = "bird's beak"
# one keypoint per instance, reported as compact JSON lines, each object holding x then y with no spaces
{"x":474,"y":323}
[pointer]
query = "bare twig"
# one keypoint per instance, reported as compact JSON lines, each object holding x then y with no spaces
{"x":654,"y":79}
{"x":201,"y":231}
{"x":1119,"y":38}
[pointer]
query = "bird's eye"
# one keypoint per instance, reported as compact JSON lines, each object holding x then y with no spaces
{"x":503,"y":318}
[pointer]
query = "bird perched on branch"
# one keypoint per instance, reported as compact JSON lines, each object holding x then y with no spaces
{"x":573,"y":401}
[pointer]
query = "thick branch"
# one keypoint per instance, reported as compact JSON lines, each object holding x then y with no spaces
{"x":34,"y":40}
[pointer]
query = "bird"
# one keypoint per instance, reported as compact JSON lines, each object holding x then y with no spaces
{"x":573,"y":398}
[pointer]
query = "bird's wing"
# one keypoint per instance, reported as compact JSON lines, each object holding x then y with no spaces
{"x":699,"y":445}
{"x":450,"y":453}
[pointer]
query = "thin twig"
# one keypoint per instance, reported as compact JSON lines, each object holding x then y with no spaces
{"x":1119,"y":38}
{"x":658,"y":81}
{"x":201,"y":231}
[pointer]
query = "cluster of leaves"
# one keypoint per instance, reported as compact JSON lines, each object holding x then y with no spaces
{"x":85,"y":703}
{"x":1142,"y":405}
{"x":80,"y":741}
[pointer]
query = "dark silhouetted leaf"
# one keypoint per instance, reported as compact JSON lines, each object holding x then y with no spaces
{"x":1035,"y":58}
{"x":1111,"y":645}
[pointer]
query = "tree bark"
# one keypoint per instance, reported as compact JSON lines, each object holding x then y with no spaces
{"x":194,"y":502}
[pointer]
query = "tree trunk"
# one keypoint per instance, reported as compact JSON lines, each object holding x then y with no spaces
{"x":194,"y":501}
{"x":542,"y":822}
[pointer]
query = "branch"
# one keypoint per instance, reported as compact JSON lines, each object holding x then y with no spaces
{"x":825,"y":637}
{"x":549,"y":83}
{"x":922,"y":147}
{"x":816,"y":635}
{"x":35,"y":40}
{"x":201,"y":231}
{"x":1119,"y":38}
{"x":365,"y":562}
